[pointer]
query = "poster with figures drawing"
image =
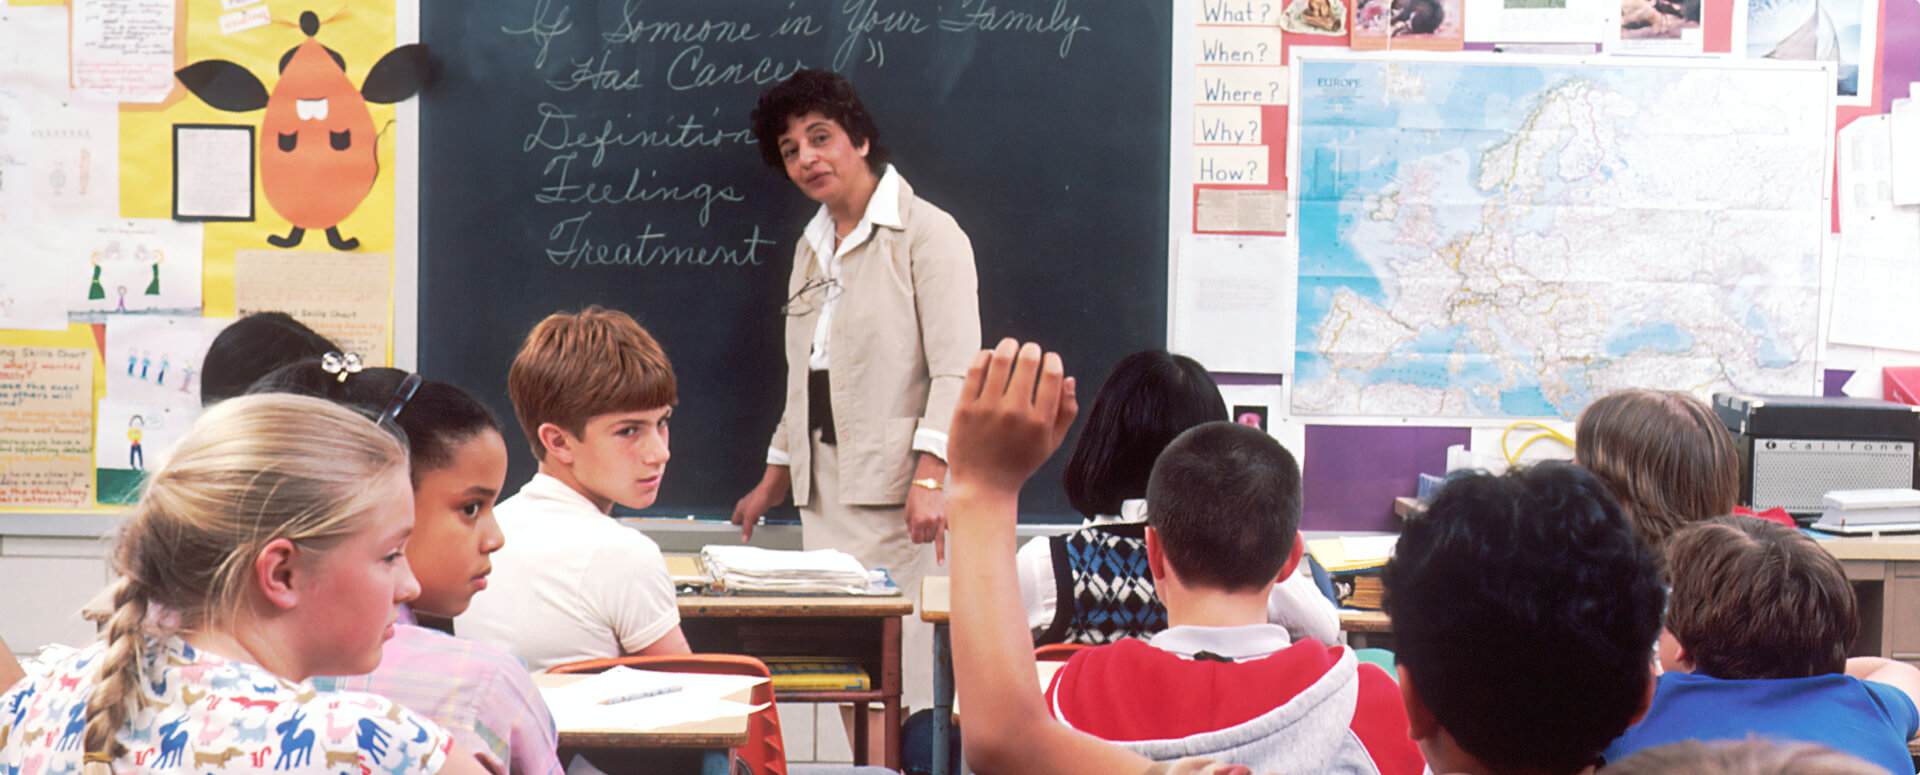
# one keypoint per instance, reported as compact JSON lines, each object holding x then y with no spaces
{"x":128,"y":440}
{"x":156,"y":361}
{"x":142,"y":266}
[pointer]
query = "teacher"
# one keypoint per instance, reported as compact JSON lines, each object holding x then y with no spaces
{"x":882,"y":318}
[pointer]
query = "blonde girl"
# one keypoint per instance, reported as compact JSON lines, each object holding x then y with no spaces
{"x":266,"y":549}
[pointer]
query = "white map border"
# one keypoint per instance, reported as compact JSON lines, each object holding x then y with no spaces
{"x":1299,"y":58}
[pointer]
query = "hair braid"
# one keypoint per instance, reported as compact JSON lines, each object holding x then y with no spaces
{"x":119,"y":677}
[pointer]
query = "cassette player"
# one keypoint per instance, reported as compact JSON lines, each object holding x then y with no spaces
{"x":1795,"y":449}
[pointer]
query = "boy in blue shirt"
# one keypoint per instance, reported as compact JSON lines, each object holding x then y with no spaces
{"x":1757,"y":630}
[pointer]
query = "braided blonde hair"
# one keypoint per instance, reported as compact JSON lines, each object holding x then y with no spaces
{"x":251,"y":470}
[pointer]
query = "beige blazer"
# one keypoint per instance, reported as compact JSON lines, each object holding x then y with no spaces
{"x":905,"y":327}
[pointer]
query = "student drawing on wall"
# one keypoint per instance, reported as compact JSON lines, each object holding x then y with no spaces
{"x":133,"y":359}
{"x":122,"y":307}
{"x":86,"y":166}
{"x":161,"y":378}
{"x":58,"y":178}
{"x":318,"y":145}
{"x":146,"y":357}
{"x":144,"y":255}
{"x":186,"y":379}
{"x":135,"y":460}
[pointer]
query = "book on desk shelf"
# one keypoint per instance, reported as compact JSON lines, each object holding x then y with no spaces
{"x":1359,"y":590}
{"x":816,"y":674}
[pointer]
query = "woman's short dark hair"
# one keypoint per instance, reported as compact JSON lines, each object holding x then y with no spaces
{"x":252,"y":347}
{"x":823,"y":91}
{"x":1150,"y":398}
{"x":435,"y":419}
{"x":1752,"y":599}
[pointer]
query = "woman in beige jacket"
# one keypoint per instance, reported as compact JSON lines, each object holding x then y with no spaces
{"x":882,"y":317}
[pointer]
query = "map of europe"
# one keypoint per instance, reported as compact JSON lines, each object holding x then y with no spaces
{"x":1486,"y":238}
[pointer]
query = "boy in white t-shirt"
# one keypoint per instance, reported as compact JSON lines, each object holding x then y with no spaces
{"x":593,"y":393}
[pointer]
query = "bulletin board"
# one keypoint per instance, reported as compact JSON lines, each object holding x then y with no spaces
{"x":139,"y":218}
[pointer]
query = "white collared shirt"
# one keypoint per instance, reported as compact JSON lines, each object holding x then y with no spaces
{"x":1239,"y":643}
{"x":570,"y":583}
{"x":883,"y":209}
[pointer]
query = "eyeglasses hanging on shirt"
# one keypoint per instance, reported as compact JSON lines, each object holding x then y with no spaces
{"x":812,"y":296}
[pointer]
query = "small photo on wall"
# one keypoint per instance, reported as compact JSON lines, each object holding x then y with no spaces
{"x":1409,"y":25}
{"x":1251,"y":416}
{"x":129,"y":439}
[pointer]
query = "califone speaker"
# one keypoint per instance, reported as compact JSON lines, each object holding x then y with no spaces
{"x":1793,"y":449}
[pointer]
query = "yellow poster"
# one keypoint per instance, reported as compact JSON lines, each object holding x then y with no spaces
{"x":314,"y":105}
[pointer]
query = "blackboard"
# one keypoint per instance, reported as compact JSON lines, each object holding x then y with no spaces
{"x":598,"y":151}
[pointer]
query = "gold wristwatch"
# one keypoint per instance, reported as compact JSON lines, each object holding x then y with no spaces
{"x":930,"y":483}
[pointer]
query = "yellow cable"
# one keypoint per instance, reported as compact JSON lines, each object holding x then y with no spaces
{"x":1513,"y":457}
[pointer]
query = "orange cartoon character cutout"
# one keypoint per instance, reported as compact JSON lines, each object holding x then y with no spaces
{"x":319,"y":152}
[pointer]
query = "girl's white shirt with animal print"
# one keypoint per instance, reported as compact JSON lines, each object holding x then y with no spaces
{"x":205,"y":714}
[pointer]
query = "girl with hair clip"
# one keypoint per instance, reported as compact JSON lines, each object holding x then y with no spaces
{"x":1663,"y":454}
{"x":480,"y":693}
{"x":266,"y":549}
{"x":1151,"y":397}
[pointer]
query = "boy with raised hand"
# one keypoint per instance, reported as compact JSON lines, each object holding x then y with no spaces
{"x":1223,"y":511}
{"x":1015,"y":408}
{"x":1524,"y":613}
{"x":594,"y":394}
{"x":1757,"y":631}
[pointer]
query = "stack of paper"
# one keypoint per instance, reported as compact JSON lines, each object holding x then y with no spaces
{"x":1352,"y":553}
{"x":1870,"y":511}
{"x":751,"y":569}
{"x":626,"y":699}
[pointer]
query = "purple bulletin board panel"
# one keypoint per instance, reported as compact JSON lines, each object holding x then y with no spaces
{"x":1353,"y":472}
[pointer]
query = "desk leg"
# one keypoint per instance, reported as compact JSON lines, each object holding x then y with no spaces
{"x":890,"y":685}
{"x":860,"y":734}
{"x":942,"y":696}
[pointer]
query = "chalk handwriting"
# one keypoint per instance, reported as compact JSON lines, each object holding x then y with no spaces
{"x":647,"y":248}
{"x":634,"y":29}
{"x":984,"y":16}
{"x":597,"y":75}
{"x":689,"y":72}
{"x":555,"y":133}
{"x":560,"y":190}
{"x":544,"y":29}
{"x":864,"y":18}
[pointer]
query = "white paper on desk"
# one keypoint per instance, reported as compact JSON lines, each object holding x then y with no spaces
{"x":123,"y":49}
{"x":1233,"y":303}
{"x":1877,"y":278}
{"x":1578,"y":21}
{"x":1903,"y":164}
{"x":1368,"y":547}
{"x":577,"y":705}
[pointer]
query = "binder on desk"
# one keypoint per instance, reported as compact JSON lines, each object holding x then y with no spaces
{"x":1349,"y":554}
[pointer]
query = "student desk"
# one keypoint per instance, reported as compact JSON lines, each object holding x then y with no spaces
{"x":1885,"y":573}
{"x":861,"y":629}
{"x":702,"y":746}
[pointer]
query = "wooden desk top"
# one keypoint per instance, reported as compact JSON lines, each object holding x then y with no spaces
{"x":1352,"y":620}
{"x":729,"y":732}
{"x":769,"y":606}
{"x":1887,"y":547}
{"x":936,"y":599}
